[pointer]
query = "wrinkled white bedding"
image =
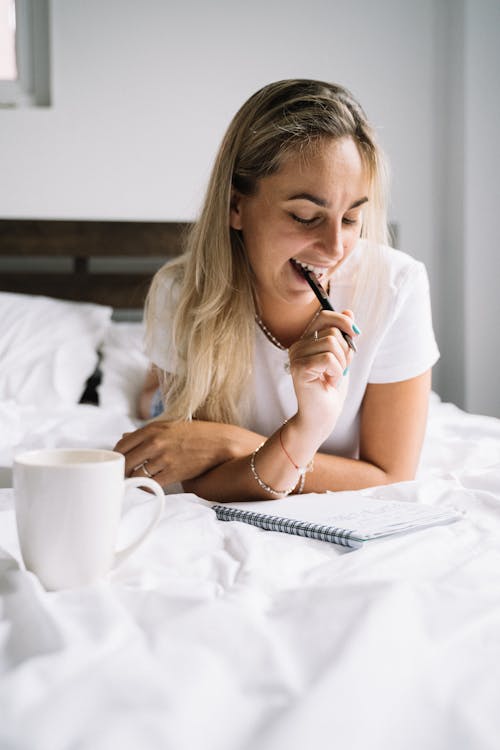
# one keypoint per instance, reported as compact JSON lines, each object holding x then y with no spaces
{"x":221,"y":635}
{"x":28,"y":427}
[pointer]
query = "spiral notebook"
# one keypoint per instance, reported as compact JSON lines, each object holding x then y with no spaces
{"x":340,"y":518}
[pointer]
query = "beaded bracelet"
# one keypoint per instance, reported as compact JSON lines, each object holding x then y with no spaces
{"x":261,"y":483}
{"x":302,"y":481}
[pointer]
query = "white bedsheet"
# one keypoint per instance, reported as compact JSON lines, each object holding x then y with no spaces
{"x":221,"y":635}
{"x":28,"y":427}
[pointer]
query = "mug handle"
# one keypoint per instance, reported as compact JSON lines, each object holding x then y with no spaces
{"x":122,"y":554}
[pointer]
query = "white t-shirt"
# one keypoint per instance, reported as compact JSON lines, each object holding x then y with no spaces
{"x":396,"y":343}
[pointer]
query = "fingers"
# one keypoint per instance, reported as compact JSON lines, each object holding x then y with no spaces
{"x":340,"y":325}
{"x":147,"y":468}
{"x":153,"y":470}
{"x":323,"y":340}
{"x":324,"y":356}
{"x":163,"y":477}
{"x":325,"y":360}
{"x":143,"y":449}
{"x":328,"y":341}
{"x":343,"y":321}
{"x":130,"y":440}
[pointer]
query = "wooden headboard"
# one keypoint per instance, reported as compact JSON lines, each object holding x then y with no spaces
{"x":81,"y":242}
{"x":151,"y":243}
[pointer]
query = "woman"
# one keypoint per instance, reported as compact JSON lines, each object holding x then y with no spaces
{"x":262,"y":394}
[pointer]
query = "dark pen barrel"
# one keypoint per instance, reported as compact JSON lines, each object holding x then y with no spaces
{"x":323,"y":299}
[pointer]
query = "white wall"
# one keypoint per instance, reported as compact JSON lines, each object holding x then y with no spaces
{"x":467,"y":169}
{"x":142,"y":93}
{"x":482,"y":202}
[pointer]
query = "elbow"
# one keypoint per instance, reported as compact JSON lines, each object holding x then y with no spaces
{"x":393,"y":476}
{"x":383,"y":475}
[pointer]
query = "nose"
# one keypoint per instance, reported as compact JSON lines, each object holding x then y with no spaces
{"x":333,"y":241}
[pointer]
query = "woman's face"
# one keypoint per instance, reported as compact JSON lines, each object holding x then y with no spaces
{"x":310,"y":210}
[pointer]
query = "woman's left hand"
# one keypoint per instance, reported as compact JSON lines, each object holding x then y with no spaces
{"x":178,"y":451}
{"x":319,"y":363}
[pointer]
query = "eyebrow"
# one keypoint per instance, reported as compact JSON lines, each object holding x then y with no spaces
{"x":322,"y":202}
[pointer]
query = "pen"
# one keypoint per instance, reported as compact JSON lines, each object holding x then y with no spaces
{"x":320,"y":293}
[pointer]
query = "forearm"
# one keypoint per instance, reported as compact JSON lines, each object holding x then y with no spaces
{"x":392,"y":429}
{"x":337,"y":473}
{"x":177,"y":451}
{"x":234,"y":480}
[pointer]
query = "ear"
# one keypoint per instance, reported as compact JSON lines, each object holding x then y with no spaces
{"x":235,"y":214}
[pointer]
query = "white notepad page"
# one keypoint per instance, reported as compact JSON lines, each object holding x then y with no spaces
{"x":366,"y":517}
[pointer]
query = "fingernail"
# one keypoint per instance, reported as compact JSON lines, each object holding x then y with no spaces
{"x":355,"y":328}
{"x":346,"y":370}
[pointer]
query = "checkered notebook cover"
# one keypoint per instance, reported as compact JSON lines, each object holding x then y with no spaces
{"x":338,"y":518}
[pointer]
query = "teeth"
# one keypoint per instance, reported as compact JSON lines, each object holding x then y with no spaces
{"x":318,"y":270}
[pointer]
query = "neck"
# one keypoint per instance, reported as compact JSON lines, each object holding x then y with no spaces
{"x":287,"y":325}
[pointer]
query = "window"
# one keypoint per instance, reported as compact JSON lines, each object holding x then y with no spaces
{"x":24,"y":53}
{"x":8,"y":64}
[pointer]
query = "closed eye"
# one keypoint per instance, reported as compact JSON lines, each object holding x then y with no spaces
{"x":308,"y":222}
{"x":303,"y":221}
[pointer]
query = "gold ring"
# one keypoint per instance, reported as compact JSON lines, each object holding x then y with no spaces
{"x":145,"y":469}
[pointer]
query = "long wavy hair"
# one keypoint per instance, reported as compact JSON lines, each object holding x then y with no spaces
{"x":211,"y":322}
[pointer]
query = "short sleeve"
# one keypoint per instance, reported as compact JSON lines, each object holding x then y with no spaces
{"x":160,"y":344}
{"x":408,"y":346}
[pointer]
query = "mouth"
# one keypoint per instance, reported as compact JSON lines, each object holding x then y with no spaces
{"x":320,"y":272}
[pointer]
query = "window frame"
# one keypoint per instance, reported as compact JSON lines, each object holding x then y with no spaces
{"x":32,"y":57}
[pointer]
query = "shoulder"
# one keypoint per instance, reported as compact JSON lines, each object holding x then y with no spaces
{"x":165,"y":291}
{"x":388,"y":272}
{"x":395,"y":264}
{"x":407,"y":346}
{"x":163,"y":300}
{"x":400,"y":267}
{"x":383,"y":282}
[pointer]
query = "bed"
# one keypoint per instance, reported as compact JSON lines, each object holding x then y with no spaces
{"x":221,"y":635}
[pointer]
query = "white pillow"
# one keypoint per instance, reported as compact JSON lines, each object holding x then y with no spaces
{"x":124,"y":367}
{"x":48,"y":347}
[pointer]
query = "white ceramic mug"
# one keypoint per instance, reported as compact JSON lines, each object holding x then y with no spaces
{"x":68,"y":509}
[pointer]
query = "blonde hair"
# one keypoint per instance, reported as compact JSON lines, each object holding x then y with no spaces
{"x":213,"y":322}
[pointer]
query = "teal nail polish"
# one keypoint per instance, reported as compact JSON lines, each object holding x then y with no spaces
{"x":355,"y":328}
{"x":346,"y":371}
